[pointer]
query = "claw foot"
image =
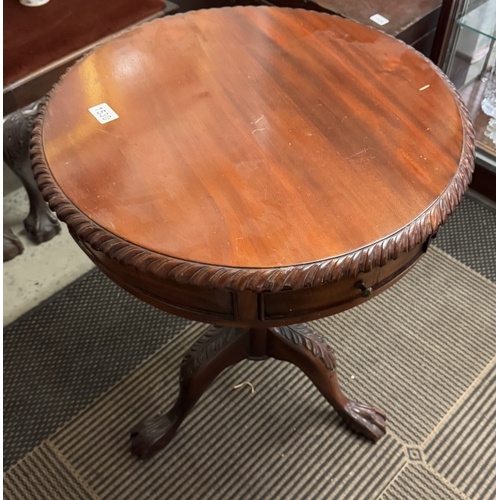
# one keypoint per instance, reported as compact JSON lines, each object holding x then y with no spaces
{"x":364,"y":419}
{"x":152,"y":435}
{"x":42,"y":224}
{"x":12,"y":245}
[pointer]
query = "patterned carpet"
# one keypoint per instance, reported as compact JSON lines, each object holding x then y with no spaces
{"x":82,"y":369}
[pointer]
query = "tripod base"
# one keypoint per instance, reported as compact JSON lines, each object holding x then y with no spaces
{"x":220,"y":348}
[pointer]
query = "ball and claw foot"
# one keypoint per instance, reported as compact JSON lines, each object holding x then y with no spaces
{"x":41,"y":223}
{"x":152,"y":435}
{"x":12,"y":245}
{"x":365,"y":420}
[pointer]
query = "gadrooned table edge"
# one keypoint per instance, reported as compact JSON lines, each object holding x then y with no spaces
{"x":257,"y":279}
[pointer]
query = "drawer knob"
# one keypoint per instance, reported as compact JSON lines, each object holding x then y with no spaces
{"x":365,"y":290}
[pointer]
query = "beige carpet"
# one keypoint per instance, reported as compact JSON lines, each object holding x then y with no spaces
{"x":423,"y":352}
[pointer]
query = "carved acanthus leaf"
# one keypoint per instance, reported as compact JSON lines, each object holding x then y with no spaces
{"x":17,"y":129}
{"x":305,"y":336}
{"x":208,"y":347}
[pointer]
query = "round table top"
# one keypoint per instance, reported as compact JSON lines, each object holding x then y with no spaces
{"x":257,"y":137}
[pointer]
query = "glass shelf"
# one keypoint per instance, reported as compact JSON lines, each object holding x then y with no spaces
{"x":482,"y":19}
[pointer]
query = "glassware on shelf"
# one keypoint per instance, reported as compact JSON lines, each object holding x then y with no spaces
{"x":489,"y":104}
{"x":491,"y":130}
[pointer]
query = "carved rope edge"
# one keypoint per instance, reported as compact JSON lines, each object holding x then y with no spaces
{"x":256,"y":279}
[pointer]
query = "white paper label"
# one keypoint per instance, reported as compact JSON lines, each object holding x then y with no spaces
{"x":103,"y":113}
{"x":380,"y":20}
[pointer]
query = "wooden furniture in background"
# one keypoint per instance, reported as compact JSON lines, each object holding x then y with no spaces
{"x":273,"y":167}
{"x":412,"y":21}
{"x":444,"y":29}
{"x":39,"y":45}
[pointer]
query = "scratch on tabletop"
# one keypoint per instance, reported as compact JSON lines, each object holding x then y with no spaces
{"x":109,"y":133}
{"x":358,"y":153}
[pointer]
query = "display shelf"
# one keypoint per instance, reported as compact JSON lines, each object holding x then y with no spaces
{"x":481,"y":19}
{"x":473,"y":95}
{"x":470,"y":57}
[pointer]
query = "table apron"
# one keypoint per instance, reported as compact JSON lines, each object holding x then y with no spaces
{"x":254,"y":309}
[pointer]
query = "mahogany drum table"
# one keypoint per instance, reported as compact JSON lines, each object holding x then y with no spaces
{"x":254,"y":168}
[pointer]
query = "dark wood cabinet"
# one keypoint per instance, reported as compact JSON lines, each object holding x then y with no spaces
{"x":413,"y":22}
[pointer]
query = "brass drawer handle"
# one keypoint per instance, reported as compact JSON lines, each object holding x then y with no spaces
{"x":365,"y":290}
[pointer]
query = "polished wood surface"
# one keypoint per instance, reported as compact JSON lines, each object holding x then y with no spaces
{"x":254,"y":137}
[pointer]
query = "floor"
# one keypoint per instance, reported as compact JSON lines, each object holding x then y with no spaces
{"x":41,"y":270}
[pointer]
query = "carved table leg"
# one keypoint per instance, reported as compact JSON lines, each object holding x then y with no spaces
{"x":12,"y":245}
{"x":41,"y":223}
{"x":303,"y":347}
{"x":212,"y":353}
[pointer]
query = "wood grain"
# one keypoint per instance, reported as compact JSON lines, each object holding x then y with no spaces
{"x":257,"y":148}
